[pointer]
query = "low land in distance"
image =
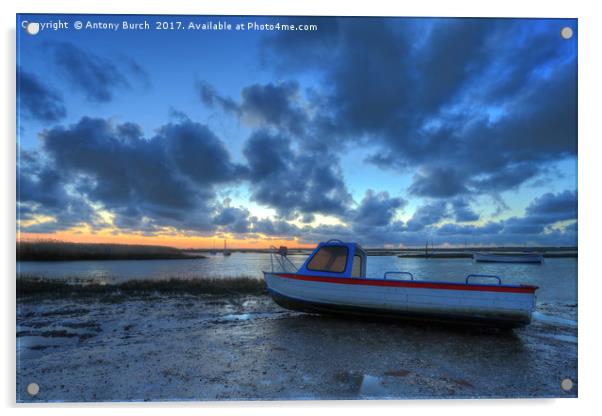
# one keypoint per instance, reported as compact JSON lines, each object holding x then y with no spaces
{"x":66,"y":251}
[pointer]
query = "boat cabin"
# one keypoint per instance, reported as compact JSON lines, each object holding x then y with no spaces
{"x":335,"y":258}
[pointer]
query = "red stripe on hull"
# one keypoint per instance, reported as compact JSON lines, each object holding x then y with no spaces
{"x":411,"y":284}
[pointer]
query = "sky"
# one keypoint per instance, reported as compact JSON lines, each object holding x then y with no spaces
{"x":390,"y":132}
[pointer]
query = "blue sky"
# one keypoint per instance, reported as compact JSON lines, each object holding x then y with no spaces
{"x":387,"y":131}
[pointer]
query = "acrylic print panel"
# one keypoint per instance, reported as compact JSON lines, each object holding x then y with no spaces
{"x":166,"y":162}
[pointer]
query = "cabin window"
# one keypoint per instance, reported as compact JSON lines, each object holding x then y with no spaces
{"x":356,"y":270}
{"x":329,"y":259}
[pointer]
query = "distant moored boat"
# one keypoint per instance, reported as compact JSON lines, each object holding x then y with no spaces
{"x":226,"y":252}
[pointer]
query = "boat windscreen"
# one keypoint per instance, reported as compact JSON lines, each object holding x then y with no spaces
{"x":329,"y":259}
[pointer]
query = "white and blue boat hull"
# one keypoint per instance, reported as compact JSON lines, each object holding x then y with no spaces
{"x":497,"y":305}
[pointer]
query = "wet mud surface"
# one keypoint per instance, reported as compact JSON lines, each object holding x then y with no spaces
{"x":162,"y":348}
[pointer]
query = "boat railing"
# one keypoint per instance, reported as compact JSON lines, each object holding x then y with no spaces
{"x":280,"y":262}
{"x":387,"y":274}
{"x":487,"y":276}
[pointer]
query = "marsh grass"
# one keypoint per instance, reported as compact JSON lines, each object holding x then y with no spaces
{"x":33,"y":285}
{"x":52,"y":250}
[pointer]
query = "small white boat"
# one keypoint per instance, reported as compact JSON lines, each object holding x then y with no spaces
{"x":333,"y":280}
{"x":526,"y":257}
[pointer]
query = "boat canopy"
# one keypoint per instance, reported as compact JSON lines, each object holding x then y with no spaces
{"x":335,"y":258}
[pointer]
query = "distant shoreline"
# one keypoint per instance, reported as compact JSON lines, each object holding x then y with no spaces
{"x":434,"y":253}
{"x":63,"y":251}
{"x":111,"y":257}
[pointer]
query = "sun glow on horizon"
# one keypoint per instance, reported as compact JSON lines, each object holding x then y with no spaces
{"x":177,"y":240}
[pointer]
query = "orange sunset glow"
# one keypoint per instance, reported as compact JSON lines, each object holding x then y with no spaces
{"x":177,"y":240}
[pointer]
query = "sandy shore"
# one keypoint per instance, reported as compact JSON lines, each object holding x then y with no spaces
{"x":244,"y":347}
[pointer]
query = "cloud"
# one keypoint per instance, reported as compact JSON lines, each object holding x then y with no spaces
{"x":463,"y":107}
{"x":149,"y":185}
{"x":463,"y":211}
{"x":475,"y":105}
{"x":543,"y":212}
{"x":267,"y":105}
{"x":438,"y":182}
{"x":167,"y":180}
{"x":294,"y":182}
{"x":36,"y":100}
{"x":233,"y":220}
{"x":97,"y":77}
{"x":276,"y":227}
{"x":210,"y":97}
{"x":41,"y":191}
{"x":171,"y":179}
{"x":377,"y":209}
{"x":427,"y":215}
{"x":554,"y":207}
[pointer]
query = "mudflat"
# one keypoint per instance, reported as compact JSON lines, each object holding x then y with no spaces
{"x":115,"y":347}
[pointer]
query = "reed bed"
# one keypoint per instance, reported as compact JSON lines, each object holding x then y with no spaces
{"x":52,"y":250}
{"x":33,"y":285}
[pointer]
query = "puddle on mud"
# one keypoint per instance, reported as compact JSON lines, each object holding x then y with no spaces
{"x":371,"y":386}
{"x":237,"y":317}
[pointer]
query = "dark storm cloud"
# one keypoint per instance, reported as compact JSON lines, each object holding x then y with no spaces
{"x":544,"y":211}
{"x":198,"y":153}
{"x":291,"y":181}
{"x":97,"y":77}
{"x":40,"y":190}
{"x":427,"y":215}
{"x":549,"y":220}
{"x":274,"y":105}
{"x":477,"y":105}
{"x":554,"y":207}
{"x":147,"y":183}
{"x":268,"y":105}
{"x":377,"y":209}
{"x":372,"y":222}
{"x":37,"y":100}
{"x":456,"y":50}
{"x":463,"y":211}
{"x":307,"y":218}
{"x":534,"y":227}
{"x":276,"y":228}
{"x":438,"y":182}
{"x":236,"y":220}
{"x":210,"y":97}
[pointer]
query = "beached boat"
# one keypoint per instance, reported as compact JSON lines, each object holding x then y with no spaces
{"x":526,"y":257}
{"x":333,"y":280}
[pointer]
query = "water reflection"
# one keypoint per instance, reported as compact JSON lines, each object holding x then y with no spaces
{"x":557,"y":278}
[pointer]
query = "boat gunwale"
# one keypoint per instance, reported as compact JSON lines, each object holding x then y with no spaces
{"x":424,"y":284}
